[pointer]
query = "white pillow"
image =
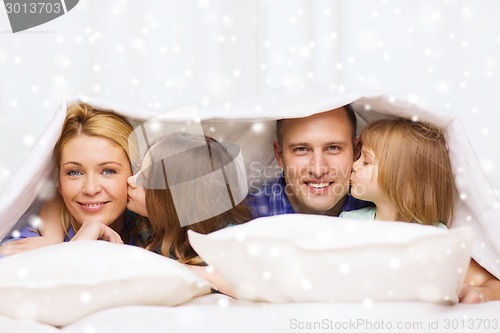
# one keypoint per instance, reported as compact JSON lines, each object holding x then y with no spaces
{"x":59,"y":284}
{"x":303,"y":258}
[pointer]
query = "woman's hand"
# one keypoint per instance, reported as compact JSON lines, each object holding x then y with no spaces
{"x":26,"y":244}
{"x":94,"y":230}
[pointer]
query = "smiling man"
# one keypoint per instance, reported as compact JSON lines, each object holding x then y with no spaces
{"x":316,"y":154}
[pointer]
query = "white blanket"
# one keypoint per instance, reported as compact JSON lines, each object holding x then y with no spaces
{"x":219,"y":313}
{"x":250,"y":123}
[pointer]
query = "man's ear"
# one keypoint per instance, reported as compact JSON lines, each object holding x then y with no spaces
{"x":357,"y":149}
{"x":278,"y":153}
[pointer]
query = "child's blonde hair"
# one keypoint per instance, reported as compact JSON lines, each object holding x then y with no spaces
{"x":414,"y":168}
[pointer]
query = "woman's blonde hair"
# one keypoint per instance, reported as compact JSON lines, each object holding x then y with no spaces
{"x":187,"y":161}
{"x":414,"y":168}
{"x":85,"y":119}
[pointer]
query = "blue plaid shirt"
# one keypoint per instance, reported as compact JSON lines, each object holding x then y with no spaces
{"x":271,"y":200}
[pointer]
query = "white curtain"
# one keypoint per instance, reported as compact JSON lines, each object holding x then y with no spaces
{"x":156,"y":55}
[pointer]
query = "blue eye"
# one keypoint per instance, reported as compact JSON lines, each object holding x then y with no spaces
{"x":109,"y":172}
{"x":73,"y":173}
{"x":333,"y":149}
{"x":300,"y":149}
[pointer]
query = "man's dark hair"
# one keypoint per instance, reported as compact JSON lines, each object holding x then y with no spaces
{"x":350,"y":115}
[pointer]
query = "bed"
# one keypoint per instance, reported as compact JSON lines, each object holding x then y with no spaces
{"x":190,"y":306}
{"x":218,"y":313}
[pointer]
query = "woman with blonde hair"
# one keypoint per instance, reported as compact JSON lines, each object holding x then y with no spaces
{"x":92,"y":157}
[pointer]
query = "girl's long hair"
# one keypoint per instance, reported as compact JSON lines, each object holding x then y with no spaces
{"x":414,"y":168}
{"x":187,"y":162}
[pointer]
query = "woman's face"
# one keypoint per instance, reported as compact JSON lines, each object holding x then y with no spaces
{"x":93,"y":179}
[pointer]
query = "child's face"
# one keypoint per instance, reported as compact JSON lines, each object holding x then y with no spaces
{"x":136,"y":194}
{"x":364,"y":178}
{"x":136,"y":197}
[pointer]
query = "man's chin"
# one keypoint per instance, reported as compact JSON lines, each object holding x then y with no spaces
{"x":320,"y":209}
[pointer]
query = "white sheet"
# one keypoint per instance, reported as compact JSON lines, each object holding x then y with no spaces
{"x":219,"y":313}
{"x":8,"y":325}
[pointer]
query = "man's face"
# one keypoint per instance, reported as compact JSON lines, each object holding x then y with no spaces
{"x":316,"y":157}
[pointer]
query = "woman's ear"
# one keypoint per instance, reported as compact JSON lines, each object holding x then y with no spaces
{"x":58,"y":186}
{"x":357,"y":149}
{"x":278,"y":153}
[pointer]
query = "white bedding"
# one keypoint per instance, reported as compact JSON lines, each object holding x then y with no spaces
{"x":250,"y":123}
{"x":219,"y":313}
{"x":314,"y":258}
